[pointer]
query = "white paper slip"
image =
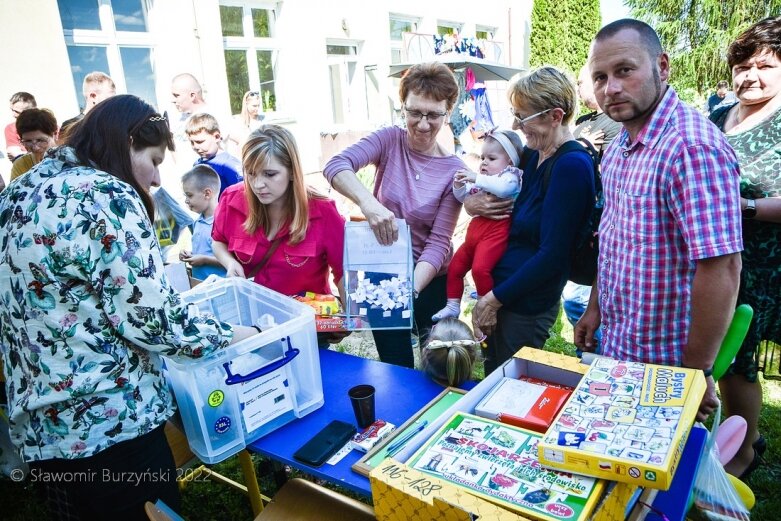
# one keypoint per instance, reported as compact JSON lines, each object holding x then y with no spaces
{"x":344,"y":451}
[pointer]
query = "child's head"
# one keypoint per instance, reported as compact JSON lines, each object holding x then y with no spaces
{"x":501,"y":148}
{"x":273,"y":175}
{"x":203,"y":130}
{"x":450,"y":351}
{"x":201,"y":187}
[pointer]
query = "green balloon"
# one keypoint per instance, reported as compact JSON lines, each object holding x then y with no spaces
{"x":732,"y":340}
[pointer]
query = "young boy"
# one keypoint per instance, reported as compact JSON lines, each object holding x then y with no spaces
{"x":204,"y":134}
{"x":201,"y":186}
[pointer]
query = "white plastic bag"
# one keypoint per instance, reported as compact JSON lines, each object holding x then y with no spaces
{"x":714,"y":495}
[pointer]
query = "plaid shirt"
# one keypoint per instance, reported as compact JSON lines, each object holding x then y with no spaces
{"x":671,"y":198}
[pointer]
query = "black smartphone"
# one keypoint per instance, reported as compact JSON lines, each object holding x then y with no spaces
{"x":325,"y":443}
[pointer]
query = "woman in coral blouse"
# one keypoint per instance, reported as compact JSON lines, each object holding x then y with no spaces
{"x":273,"y":228}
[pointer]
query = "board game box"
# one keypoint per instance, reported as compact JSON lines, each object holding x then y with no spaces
{"x":498,"y":462}
{"x":625,"y":421}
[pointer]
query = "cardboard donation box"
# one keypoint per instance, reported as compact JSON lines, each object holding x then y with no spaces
{"x":625,"y":421}
{"x":378,"y":279}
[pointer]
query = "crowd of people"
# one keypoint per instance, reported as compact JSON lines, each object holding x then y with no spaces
{"x":690,"y":227}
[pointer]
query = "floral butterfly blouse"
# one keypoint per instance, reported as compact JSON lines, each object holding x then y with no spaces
{"x":85,"y":312}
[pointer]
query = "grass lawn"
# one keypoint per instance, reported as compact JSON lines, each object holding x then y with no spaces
{"x":205,"y":500}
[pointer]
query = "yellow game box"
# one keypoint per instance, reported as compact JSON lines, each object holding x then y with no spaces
{"x":625,"y":421}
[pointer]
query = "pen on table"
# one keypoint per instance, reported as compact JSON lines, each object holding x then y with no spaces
{"x":397,"y":445}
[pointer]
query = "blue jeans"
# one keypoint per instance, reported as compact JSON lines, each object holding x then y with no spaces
{"x":574,"y":299}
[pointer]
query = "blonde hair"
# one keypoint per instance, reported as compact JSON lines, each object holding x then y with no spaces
{"x":450,"y":352}
{"x":245,"y":119}
{"x":262,"y":144}
{"x":545,"y":88}
{"x":202,"y":121}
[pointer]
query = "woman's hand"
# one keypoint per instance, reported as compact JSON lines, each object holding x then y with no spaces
{"x":382,"y":222}
{"x":488,"y":205}
{"x":484,"y":315}
{"x":235,"y":269}
{"x":193,"y":260}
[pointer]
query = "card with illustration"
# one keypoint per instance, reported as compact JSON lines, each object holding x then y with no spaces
{"x":632,"y":412}
{"x":499,"y":462}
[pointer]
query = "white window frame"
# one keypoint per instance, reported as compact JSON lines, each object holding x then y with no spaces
{"x":348,"y":109}
{"x":112,"y":40}
{"x":458,"y":27}
{"x":398,"y":45}
{"x":251,"y":44}
{"x":487,"y":29}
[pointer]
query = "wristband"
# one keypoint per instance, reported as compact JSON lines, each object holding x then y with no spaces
{"x":708,"y":372}
{"x":257,"y":328}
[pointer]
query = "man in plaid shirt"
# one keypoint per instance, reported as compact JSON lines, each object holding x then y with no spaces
{"x":670,"y":235}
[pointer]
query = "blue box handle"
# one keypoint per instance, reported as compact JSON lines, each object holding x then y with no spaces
{"x":234,"y":379}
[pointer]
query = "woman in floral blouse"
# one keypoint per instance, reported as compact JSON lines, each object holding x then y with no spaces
{"x":85,"y":312}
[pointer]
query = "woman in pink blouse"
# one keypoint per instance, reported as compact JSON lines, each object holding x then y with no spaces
{"x":413,"y":182}
{"x":272,"y":228}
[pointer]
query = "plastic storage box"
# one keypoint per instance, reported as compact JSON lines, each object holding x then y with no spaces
{"x":378,"y":279}
{"x":234,"y":396}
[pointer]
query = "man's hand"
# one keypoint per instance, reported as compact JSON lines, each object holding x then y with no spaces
{"x":596,"y":138}
{"x":382,"y":222}
{"x":488,"y":205}
{"x":587,"y":327}
{"x":484,"y":315}
{"x":709,"y":402}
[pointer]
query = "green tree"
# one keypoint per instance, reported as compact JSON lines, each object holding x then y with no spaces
{"x":583,"y":22}
{"x":548,"y":37}
{"x":696,"y":34}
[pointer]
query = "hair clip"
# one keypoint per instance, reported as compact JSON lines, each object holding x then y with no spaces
{"x":439,"y":344}
{"x":157,"y":118}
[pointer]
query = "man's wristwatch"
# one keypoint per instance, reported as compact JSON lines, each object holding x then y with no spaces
{"x":750,"y":211}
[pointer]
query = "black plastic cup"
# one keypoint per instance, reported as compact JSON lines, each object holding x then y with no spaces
{"x":362,"y":398}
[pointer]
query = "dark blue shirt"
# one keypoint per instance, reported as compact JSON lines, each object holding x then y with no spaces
{"x":227,"y":167}
{"x":545,"y":224}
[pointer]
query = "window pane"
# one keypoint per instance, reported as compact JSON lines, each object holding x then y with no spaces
{"x":230,"y":17}
{"x":261,"y":22}
{"x":266,"y":73}
{"x":340,"y":50}
{"x":395,"y":56}
{"x":399,"y":26}
{"x":85,"y":59}
{"x":79,"y":14}
{"x":238,"y":77}
{"x":139,"y":73}
{"x":482,"y":35}
{"x":443,"y":30}
{"x":129,"y":15}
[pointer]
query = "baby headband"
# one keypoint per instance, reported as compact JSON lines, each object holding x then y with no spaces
{"x":439,"y":344}
{"x":506,"y":145}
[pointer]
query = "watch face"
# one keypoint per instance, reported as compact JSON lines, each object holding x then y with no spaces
{"x":750,"y":211}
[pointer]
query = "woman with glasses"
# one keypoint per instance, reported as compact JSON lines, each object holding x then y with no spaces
{"x":546,"y":219}
{"x":37,"y":129}
{"x":245,"y":122}
{"x":413,"y":181}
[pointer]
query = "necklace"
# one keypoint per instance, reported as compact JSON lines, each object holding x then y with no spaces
{"x":421,"y":170}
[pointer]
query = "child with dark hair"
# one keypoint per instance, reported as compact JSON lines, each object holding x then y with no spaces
{"x":486,"y":239}
{"x":201,"y":186}
{"x":449,"y":353}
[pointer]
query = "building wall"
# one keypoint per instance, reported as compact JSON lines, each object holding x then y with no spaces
{"x":187,"y":37}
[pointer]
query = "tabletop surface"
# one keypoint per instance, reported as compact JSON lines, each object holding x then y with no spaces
{"x":400,"y":393}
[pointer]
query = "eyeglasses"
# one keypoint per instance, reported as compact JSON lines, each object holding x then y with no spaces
{"x":522,"y":121}
{"x":35,"y":143}
{"x":431,"y":117}
{"x":253,"y":94}
{"x":16,"y":112}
